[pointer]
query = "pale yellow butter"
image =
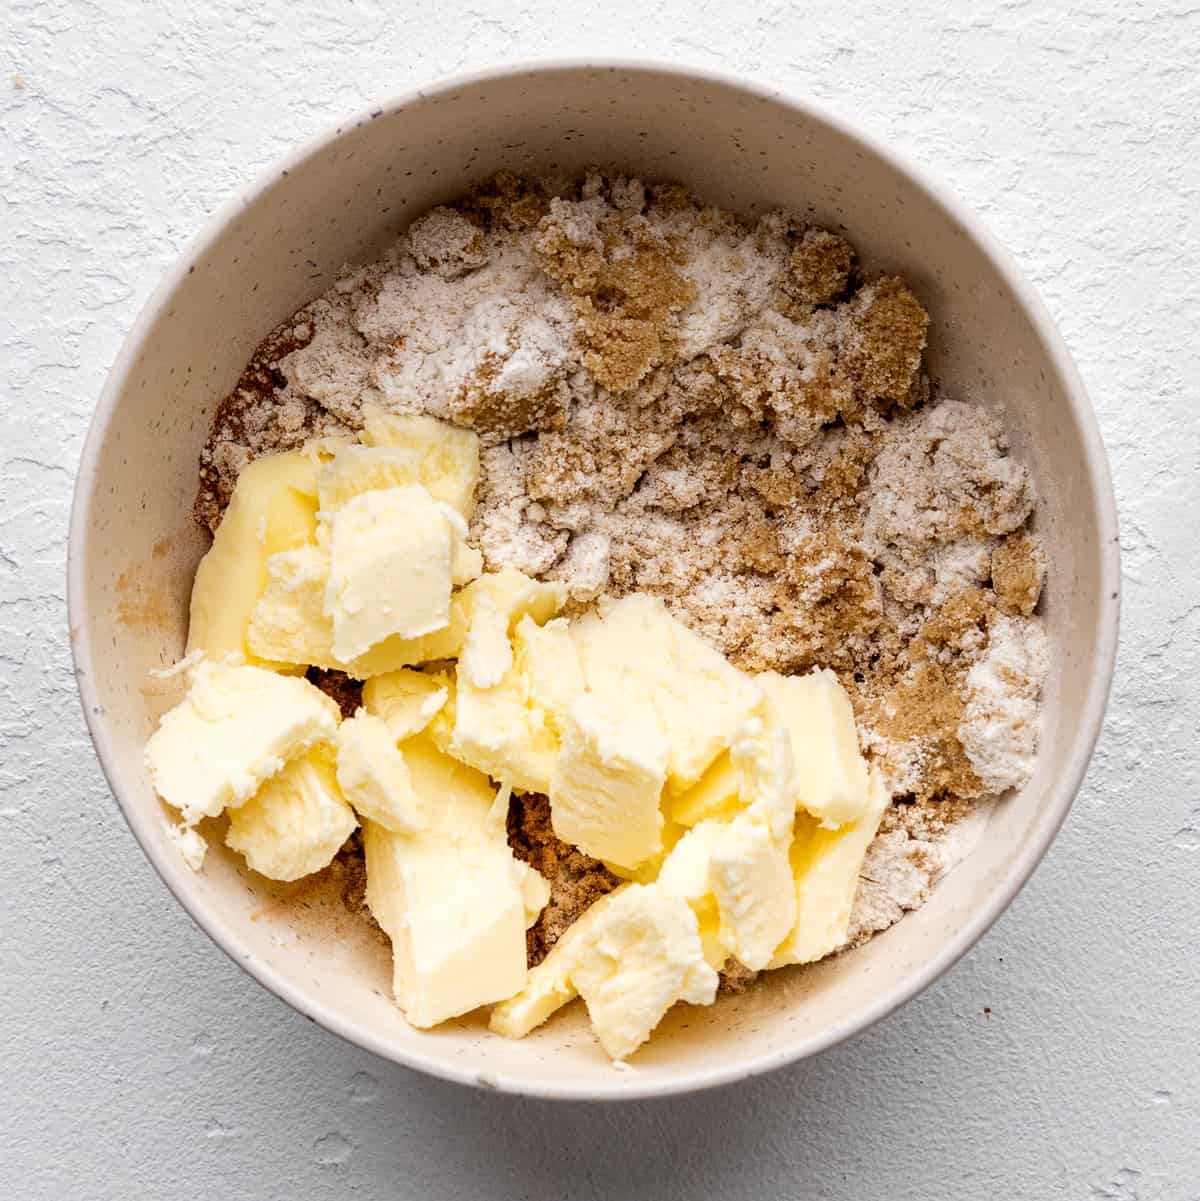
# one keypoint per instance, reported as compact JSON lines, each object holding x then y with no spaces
{"x":448,"y":457}
{"x":634,"y":649}
{"x":390,"y":569}
{"x":296,"y":822}
{"x":825,"y":865}
{"x":354,"y":470}
{"x":289,"y":622}
{"x":455,"y":914}
{"x":548,"y":986}
{"x":500,"y":731}
{"x":406,"y":700}
{"x":755,"y":893}
{"x":500,"y":726}
{"x":273,"y":508}
{"x":639,"y":958}
{"x":374,"y":777}
{"x":546,"y":657}
{"x":607,"y":784}
{"x":714,"y":795}
{"x":451,"y":897}
{"x":831,"y":775}
{"x":236,"y":727}
{"x":493,"y":606}
{"x":631,"y":956}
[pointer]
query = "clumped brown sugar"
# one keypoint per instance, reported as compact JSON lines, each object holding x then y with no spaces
{"x":728,"y":414}
{"x":576,"y":880}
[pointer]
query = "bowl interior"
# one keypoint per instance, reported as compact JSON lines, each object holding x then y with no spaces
{"x":134,"y":545}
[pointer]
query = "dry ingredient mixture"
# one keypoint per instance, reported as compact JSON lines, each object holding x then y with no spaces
{"x":731,"y":416}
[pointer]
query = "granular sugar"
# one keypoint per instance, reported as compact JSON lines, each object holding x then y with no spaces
{"x":729,"y":415}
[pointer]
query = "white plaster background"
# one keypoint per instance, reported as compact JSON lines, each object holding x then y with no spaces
{"x":137,"y":1062}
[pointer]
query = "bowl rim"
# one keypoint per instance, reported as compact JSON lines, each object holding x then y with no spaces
{"x":632,"y":1085}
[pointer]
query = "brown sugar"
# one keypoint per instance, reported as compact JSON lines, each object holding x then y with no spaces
{"x":345,"y":690}
{"x":576,"y":880}
{"x":1018,"y":571}
{"x":625,"y":290}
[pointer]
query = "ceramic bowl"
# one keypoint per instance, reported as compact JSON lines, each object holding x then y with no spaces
{"x":134,"y":545}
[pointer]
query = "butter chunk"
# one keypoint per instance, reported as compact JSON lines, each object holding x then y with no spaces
{"x":607,"y":784}
{"x":390,"y":569}
{"x":825,"y":865}
{"x":492,"y":607}
{"x":545,"y":655}
{"x":548,"y":986}
{"x":633,"y":648}
{"x":289,"y":623}
{"x":457,"y":798}
{"x":236,"y":727}
{"x":374,"y":777}
{"x":448,"y":457}
{"x":715,"y":794}
{"x":500,"y":731}
{"x":535,"y":891}
{"x":631,"y":956}
{"x":640,"y":957}
{"x":451,"y":897}
{"x":406,"y":700}
{"x":273,"y":508}
{"x":296,"y":822}
{"x":501,"y":724}
{"x":831,"y":774}
{"x":354,"y":470}
{"x":752,"y":882}
{"x":738,"y":881}
{"x":767,"y":786}
{"x":455,"y":914}
{"x":686,"y":873}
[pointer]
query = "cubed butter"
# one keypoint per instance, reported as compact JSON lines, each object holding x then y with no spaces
{"x":825,"y":865}
{"x":406,"y":700}
{"x":493,"y":606}
{"x":634,"y":648}
{"x":374,"y":777}
{"x":500,"y":725}
{"x":499,"y":730}
{"x":756,"y":895}
{"x":289,"y":622}
{"x":458,"y":799}
{"x":358,"y":469}
{"x":647,"y":871}
{"x":607,"y":784}
{"x":448,"y":457}
{"x":738,"y":881}
{"x":535,"y":891}
{"x":714,"y":795}
{"x":296,"y":822}
{"x":831,"y":775}
{"x":631,"y":956}
{"x":390,"y":569}
{"x":548,"y":985}
{"x":686,"y":873}
{"x":455,"y":914}
{"x":273,"y":508}
{"x":642,"y":956}
{"x":545,"y":656}
{"x":236,"y":727}
{"x":762,"y":758}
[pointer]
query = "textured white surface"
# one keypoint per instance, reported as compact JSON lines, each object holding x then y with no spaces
{"x":1059,"y":1059}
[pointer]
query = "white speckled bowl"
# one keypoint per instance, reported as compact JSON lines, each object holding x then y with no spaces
{"x":134,"y":546}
